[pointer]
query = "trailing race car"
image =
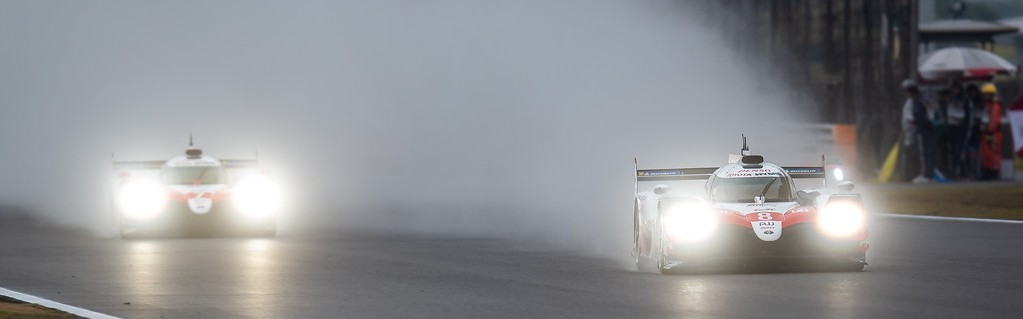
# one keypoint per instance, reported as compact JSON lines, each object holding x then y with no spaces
{"x":194,"y":194}
{"x":749,"y":214}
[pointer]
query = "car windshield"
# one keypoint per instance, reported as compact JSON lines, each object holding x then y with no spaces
{"x":190,"y":175}
{"x":744,"y":189}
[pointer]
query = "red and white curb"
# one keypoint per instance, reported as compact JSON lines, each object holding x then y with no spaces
{"x":958,"y":219}
{"x":53,"y":304}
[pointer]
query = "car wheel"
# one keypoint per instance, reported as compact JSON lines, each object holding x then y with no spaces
{"x":662,"y":257}
{"x":643,"y":262}
{"x":266,"y":233}
{"x":125,"y":235}
{"x":852,"y":267}
{"x":662,"y":267}
{"x":133,"y":235}
{"x":663,"y":270}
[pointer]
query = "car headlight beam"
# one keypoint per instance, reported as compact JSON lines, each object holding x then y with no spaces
{"x":141,"y":199}
{"x":257,"y":196}
{"x":690,"y":222}
{"x":841,"y":219}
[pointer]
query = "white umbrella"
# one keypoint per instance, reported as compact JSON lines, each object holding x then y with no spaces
{"x":967,"y":63}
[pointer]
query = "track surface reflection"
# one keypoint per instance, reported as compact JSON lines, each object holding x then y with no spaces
{"x":919,"y":268}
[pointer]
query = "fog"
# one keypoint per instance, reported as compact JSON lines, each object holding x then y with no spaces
{"x":511,"y":119}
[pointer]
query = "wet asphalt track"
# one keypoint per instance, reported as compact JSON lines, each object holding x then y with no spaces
{"x":919,"y":269}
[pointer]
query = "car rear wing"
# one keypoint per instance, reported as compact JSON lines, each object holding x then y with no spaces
{"x":674,"y":174}
{"x":147,"y":165}
{"x":703,"y":173}
{"x":700,"y":173}
{"x":244,"y":163}
{"x":137,"y":165}
{"x":805,"y":171}
{"x":669,"y":174}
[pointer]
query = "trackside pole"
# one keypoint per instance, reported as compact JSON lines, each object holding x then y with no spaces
{"x":745,"y":147}
{"x":824,"y":170}
{"x":635,"y":174}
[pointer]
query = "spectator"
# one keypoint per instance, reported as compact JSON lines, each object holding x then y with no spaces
{"x":919,"y":131}
{"x":991,"y":134}
{"x":939,"y":117}
{"x":975,"y":103}
{"x":910,"y":163}
{"x":957,"y":120}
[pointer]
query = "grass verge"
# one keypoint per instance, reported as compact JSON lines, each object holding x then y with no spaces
{"x":974,"y":200}
{"x":13,"y":308}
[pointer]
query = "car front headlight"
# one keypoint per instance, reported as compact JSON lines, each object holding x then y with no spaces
{"x":689,"y":222}
{"x":257,"y":196}
{"x":841,"y":219}
{"x":141,"y":199}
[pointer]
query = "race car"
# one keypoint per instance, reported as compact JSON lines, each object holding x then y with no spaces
{"x":748,"y":213}
{"x":194,"y":195}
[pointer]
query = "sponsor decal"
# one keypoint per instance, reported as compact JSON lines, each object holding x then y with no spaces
{"x":766,"y":230}
{"x":197,"y":162}
{"x":805,"y":170}
{"x":656,"y":173}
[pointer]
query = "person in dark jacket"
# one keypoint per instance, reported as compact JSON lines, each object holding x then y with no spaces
{"x":975,"y":102}
{"x":925,"y":133}
{"x":957,"y":120}
{"x":939,"y":118}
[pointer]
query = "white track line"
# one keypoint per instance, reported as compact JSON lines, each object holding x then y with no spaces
{"x":958,"y":219}
{"x":55,"y":305}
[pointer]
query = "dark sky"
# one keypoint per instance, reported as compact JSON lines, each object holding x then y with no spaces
{"x":510,"y":118}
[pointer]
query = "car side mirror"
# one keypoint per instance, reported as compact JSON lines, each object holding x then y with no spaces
{"x":845,"y":186}
{"x":662,"y":189}
{"x":807,"y":197}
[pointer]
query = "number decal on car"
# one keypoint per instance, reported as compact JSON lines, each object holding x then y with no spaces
{"x":765,"y":217}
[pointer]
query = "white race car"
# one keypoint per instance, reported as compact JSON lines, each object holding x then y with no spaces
{"x":194,"y":194}
{"x":748,"y":213}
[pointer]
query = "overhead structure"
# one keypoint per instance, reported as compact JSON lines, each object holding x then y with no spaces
{"x":963,"y":31}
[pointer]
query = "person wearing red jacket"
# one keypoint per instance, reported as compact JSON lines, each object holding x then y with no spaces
{"x":990,"y":134}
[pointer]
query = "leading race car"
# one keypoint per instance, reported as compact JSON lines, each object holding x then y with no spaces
{"x":748,"y":214}
{"x":194,"y":194}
